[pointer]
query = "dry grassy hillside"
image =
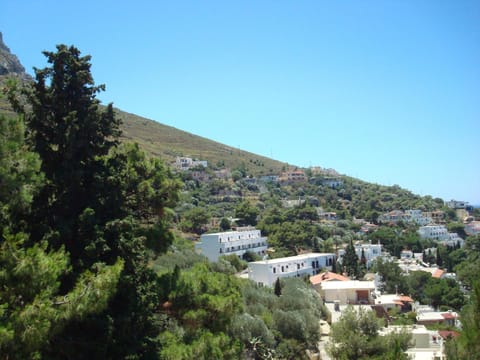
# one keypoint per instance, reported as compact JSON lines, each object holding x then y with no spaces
{"x":168,"y":142}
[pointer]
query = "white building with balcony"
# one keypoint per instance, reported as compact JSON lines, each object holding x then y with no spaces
{"x":416,"y":216}
{"x":232,"y":242}
{"x":266,"y":272}
{"x":434,"y":232}
{"x":455,"y":204}
{"x":453,"y":240}
{"x":186,"y":163}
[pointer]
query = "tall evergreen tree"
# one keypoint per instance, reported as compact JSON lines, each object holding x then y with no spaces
{"x":350,"y":261}
{"x":33,"y":309}
{"x":278,"y":287}
{"x":100,"y":203}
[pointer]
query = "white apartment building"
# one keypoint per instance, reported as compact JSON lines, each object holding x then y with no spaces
{"x":455,"y":204}
{"x":185,"y":163}
{"x":266,"y":272}
{"x":232,"y":242}
{"x":435,"y":232}
{"x":417,"y":217}
{"x":371,"y":252}
{"x":453,"y":240}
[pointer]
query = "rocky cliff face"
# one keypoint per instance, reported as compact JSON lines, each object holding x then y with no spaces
{"x":9,"y":63}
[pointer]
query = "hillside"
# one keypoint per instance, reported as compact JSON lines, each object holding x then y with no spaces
{"x":154,"y":138}
{"x":168,"y":142}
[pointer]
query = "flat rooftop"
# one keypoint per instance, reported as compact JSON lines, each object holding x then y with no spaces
{"x":293,"y":258}
{"x":348,"y":285}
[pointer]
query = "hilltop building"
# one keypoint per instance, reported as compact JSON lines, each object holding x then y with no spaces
{"x":455,"y":204}
{"x":186,"y":163}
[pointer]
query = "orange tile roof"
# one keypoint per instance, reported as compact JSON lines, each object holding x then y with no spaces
{"x":438,"y":273}
{"x":327,"y":276}
{"x":404,"y":298}
{"x":449,"y":315}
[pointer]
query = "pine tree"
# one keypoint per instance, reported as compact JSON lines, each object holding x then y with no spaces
{"x":278,"y":287}
{"x":100,"y":203}
{"x":33,"y":309}
{"x":350,"y":261}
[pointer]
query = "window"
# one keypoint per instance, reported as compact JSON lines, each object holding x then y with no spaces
{"x":283,"y":269}
{"x":274,"y":270}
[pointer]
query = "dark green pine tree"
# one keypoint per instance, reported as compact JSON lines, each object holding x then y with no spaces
{"x":350,"y":261}
{"x":33,"y":307}
{"x":278,"y":287}
{"x":100,"y":203}
{"x":71,"y":133}
{"x":439,"y":259}
{"x":363,"y":259}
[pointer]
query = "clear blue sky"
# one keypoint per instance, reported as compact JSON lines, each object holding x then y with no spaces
{"x":385,"y":91}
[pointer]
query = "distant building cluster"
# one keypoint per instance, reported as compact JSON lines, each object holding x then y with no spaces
{"x":186,"y":163}
{"x":408,"y":216}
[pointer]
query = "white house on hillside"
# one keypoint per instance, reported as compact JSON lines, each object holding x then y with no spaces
{"x":266,"y":272}
{"x":348,"y":292}
{"x":185,"y":163}
{"x":232,"y":242}
{"x":455,"y":204}
{"x":416,"y":216}
{"x":434,"y":232}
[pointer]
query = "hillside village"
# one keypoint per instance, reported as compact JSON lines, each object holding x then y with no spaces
{"x":230,"y":255}
{"x":430,"y":324}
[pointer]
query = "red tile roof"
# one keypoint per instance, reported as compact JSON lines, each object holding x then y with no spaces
{"x":404,"y":298}
{"x":449,"y":315}
{"x":327,"y":276}
{"x":438,"y":273}
{"x":448,"y":333}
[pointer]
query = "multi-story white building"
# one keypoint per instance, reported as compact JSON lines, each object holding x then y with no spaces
{"x":371,"y":252}
{"x":434,"y":232}
{"x":266,"y":272}
{"x":332,"y":183}
{"x":455,"y":204}
{"x":453,"y":240}
{"x":417,"y":217}
{"x":232,"y":242}
{"x":185,"y":163}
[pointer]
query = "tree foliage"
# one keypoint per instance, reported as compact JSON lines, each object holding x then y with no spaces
{"x":355,"y":336}
{"x":104,"y":206}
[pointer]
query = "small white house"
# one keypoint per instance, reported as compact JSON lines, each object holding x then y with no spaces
{"x":232,"y":242}
{"x":266,"y":272}
{"x":348,"y":292}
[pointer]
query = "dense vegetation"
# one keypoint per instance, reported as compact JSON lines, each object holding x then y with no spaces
{"x":88,"y":263}
{"x":94,"y":256}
